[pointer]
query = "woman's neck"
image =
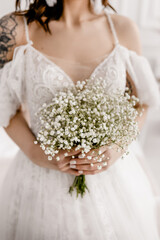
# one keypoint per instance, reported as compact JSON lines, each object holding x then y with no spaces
{"x":75,"y":12}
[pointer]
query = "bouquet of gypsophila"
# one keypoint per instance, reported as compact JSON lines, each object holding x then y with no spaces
{"x":87,"y":117}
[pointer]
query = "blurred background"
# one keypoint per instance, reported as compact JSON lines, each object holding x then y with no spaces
{"x":146,"y":13}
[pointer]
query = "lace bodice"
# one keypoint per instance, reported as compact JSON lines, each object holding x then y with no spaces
{"x":31,"y":78}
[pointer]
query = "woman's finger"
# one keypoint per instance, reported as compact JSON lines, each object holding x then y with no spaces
{"x":94,"y":152}
{"x":90,"y":159}
{"x":69,"y":170}
{"x":72,"y":152}
{"x":93,"y":172}
{"x":89,"y":167}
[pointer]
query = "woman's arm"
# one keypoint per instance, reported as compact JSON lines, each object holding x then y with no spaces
{"x":12,"y":34}
{"x":19,"y":131}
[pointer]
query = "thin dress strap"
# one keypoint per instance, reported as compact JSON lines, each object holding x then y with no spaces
{"x":116,"y":41}
{"x":27,"y":31}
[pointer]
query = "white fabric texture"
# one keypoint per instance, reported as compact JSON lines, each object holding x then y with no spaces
{"x":34,"y":201}
{"x":11,"y":86}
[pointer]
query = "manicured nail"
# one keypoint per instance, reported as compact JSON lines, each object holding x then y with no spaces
{"x":103,"y":156}
{"x":73,"y":162}
{"x":72,"y":166}
{"x":92,"y":164}
{"x":73,"y":156}
{"x":81,"y":155}
{"x":80,"y":172}
{"x":89,"y":157}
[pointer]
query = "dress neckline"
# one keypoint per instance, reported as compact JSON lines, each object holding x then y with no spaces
{"x":58,"y":68}
{"x":74,"y":62}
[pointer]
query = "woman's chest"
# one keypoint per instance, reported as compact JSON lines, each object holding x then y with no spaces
{"x":45,"y":77}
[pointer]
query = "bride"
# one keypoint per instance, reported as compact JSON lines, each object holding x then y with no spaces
{"x":52,"y":45}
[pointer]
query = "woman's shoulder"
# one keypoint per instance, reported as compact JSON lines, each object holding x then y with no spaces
{"x":11,"y":35}
{"x":127,"y":32}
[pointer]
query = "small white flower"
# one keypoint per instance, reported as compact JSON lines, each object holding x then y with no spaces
{"x":99,"y":152}
{"x":43,"y":147}
{"x":99,"y":167}
{"x":57,"y":158}
{"x":52,"y":133}
{"x":95,"y":140}
{"x":49,"y":158}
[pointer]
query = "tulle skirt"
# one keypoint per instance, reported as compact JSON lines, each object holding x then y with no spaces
{"x":35,"y":203}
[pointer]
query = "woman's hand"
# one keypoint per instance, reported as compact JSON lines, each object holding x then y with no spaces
{"x":96,"y":160}
{"x":108,"y":155}
{"x":38,"y":157}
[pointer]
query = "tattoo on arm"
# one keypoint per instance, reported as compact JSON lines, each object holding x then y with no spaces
{"x":8,"y":26}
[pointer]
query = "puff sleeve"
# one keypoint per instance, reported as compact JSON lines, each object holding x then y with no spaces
{"x":141,"y":73}
{"x":11,"y":87}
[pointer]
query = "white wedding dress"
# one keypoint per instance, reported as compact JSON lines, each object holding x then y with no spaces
{"x":34,"y":201}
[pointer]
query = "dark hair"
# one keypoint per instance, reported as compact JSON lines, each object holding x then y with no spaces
{"x":39,"y":11}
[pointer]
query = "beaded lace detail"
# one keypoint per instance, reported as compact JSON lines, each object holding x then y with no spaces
{"x":31,"y":78}
{"x":47,"y":77}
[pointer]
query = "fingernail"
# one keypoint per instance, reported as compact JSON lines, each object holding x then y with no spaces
{"x":81,"y":155}
{"x":73,"y":156}
{"x":72,"y":166}
{"x":103,"y":156}
{"x":80,"y":172}
{"x":89,"y":157}
{"x":92,"y":164}
{"x":73,"y":162}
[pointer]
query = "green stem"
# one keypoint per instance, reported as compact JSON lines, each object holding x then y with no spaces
{"x":79,"y":185}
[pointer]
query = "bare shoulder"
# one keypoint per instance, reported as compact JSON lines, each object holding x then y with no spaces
{"x":128,"y":32}
{"x":11,"y":36}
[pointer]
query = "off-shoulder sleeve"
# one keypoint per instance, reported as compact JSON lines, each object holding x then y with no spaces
{"x":11,"y":87}
{"x":141,"y":73}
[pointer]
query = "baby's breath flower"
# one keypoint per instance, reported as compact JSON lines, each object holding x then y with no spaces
{"x":87,"y":117}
